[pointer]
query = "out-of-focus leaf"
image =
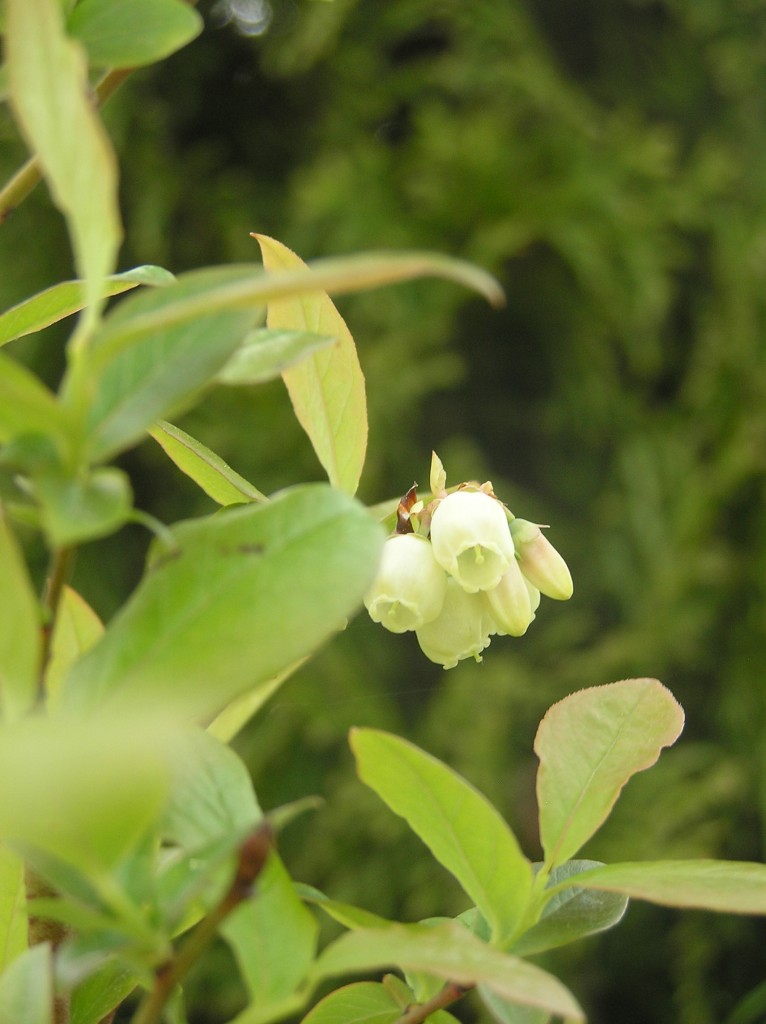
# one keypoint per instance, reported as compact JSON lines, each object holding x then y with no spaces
{"x":26,"y":988}
{"x":211,"y":794}
{"x":365,"y":1002}
{"x":266,"y":353}
{"x":344,"y":913}
{"x":61,"y":300}
{"x":450,"y":952}
{"x":120,"y":35}
{"x":326,"y":389}
{"x":13,"y":911}
{"x":208,"y":470}
{"x":572,"y":913}
{"x":461,"y":828}
{"x":505,"y":1012}
{"x":227,"y":723}
{"x":83,"y":792}
{"x":734,"y":887}
{"x":75,"y":510}
{"x":76,"y":629}
{"x":20,"y":625}
{"x":273,"y":937}
{"x":589,"y":745}
{"x":26,"y":405}
{"x":50,"y":93}
{"x":94,"y":998}
{"x":245,"y":594}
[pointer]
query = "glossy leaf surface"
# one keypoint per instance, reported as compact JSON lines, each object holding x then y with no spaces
{"x":461,"y":828}
{"x":589,"y":745}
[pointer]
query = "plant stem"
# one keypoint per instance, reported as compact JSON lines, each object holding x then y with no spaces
{"x":61,"y":564}
{"x":252,"y":857}
{"x":29,"y":175}
{"x":446,"y":996}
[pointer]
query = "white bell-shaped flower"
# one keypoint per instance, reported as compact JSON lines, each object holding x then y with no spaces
{"x":471,"y":539}
{"x":510,"y":603}
{"x":461,"y":631}
{"x":410,"y":586}
{"x":540,"y":562}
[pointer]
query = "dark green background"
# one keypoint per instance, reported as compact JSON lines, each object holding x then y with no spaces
{"x":607,"y":160}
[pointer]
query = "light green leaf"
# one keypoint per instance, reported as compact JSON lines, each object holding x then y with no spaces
{"x":51,"y":97}
{"x":13,"y":912}
{"x":62,"y":786}
{"x":572,"y":912}
{"x":120,"y":35}
{"x":26,"y":405}
{"x":365,"y":1002}
{"x":505,"y":1012}
{"x":76,"y":629}
{"x":26,"y":988}
{"x":94,"y":998}
{"x":75,"y":510}
{"x":247,"y":592}
{"x":461,"y":828}
{"x":734,"y":887}
{"x":327,"y":389}
{"x":235,"y":716}
{"x":344,"y":913}
{"x":61,"y":300}
{"x":450,"y":952}
{"x":20,"y":630}
{"x":273,"y":937}
{"x":211,"y":795}
{"x":266,"y":353}
{"x":589,"y":745}
{"x":216,"y":478}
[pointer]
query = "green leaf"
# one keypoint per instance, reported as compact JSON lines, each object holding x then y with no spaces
{"x":13,"y":911}
{"x":77,"y":510}
{"x":26,"y":405}
{"x":20,"y":630}
{"x":76,"y":630}
{"x":450,"y":952}
{"x":461,"y":828}
{"x":62,"y":786}
{"x":365,"y":1002}
{"x":734,"y":887}
{"x":266,"y":353}
{"x":273,"y":938}
{"x":120,"y":35}
{"x":247,"y":592}
{"x":61,"y":300}
{"x":51,"y":97}
{"x":344,"y":913}
{"x":237,"y":714}
{"x":505,"y":1012}
{"x":94,"y":998}
{"x":572,"y":913}
{"x":589,"y":745}
{"x":26,"y":988}
{"x":211,"y":794}
{"x":327,"y":389}
{"x":217,"y":479}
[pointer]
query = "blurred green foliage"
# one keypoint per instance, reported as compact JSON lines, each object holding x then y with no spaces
{"x":608,"y":162}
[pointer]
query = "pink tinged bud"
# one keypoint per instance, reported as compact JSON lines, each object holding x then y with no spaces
{"x":461,"y":631}
{"x":510,"y":604}
{"x":472,"y":540}
{"x":410,"y":586}
{"x":540,"y":562}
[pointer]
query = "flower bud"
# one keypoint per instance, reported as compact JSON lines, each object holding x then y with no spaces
{"x":410,"y":586}
{"x":510,"y":603}
{"x":540,"y":562}
{"x":461,"y":631}
{"x":471,"y":539}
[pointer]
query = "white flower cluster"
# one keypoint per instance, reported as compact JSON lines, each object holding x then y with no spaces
{"x":461,"y":570}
